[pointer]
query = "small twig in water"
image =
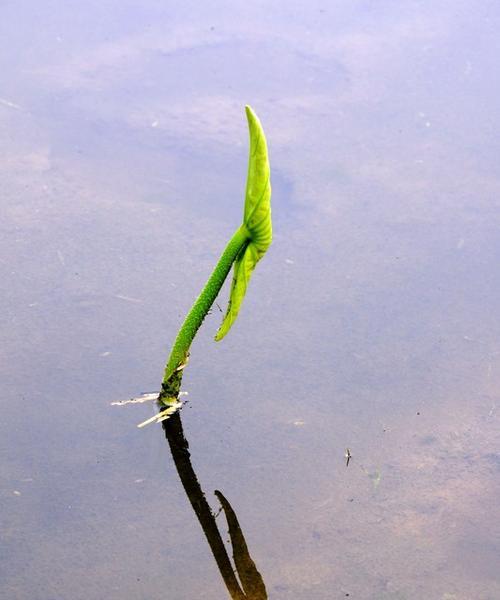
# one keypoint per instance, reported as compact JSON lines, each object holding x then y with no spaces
{"x":138,"y":400}
{"x":162,"y":416}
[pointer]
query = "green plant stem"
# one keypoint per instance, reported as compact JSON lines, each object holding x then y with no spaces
{"x":202,"y":305}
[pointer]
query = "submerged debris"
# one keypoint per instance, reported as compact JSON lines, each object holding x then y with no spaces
{"x":146,"y":397}
{"x":172,"y":405}
{"x":163,"y":415}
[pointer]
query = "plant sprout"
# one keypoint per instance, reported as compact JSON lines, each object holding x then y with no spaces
{"x":247,"y":246}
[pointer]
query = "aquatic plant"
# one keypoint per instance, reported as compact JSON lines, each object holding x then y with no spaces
{"x":247,"y":246}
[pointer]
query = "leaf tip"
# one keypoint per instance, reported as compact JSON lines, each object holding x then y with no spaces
{"x":251,"y":116}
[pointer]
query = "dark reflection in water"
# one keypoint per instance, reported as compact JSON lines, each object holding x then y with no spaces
{"x":251,"y":585}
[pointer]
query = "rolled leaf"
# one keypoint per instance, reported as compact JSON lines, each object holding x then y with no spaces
{"x":257,"y":223}
{"x":257,"y":215}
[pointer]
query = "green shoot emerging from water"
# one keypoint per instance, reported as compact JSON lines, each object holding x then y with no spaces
{"x":245,"y":249}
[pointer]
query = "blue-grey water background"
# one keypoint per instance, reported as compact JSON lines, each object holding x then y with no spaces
{"x":372,"y":323}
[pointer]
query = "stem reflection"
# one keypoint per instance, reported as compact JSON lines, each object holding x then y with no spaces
{"x":249,"y":584}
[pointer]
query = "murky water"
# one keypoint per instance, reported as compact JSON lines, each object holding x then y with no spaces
{"x":371,"y":324}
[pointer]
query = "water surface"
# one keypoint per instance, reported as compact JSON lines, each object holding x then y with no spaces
{"x":372,"y":323}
